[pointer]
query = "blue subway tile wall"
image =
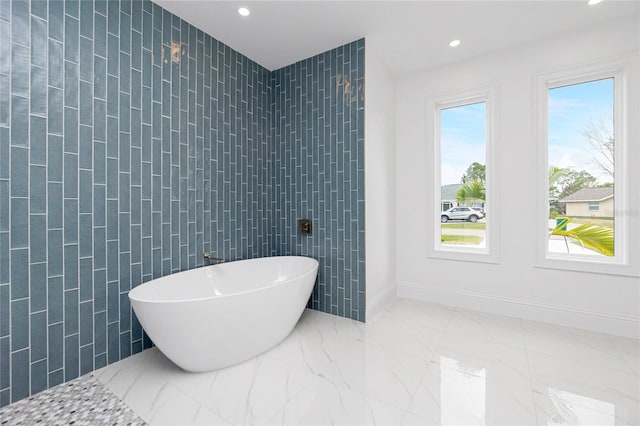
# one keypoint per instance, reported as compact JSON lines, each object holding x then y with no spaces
{"x":130,"y":143}
{"x":318,"y":172}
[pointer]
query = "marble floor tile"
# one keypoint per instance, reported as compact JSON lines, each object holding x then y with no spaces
{"x":171,"y":406}
{"x":251,"y":392}
{"x":506,"y":365}
{"x":403,"y":337}
{"x":205,"y":417}
{"x":418,"y":312}
{"x":561,"y":408}
{"x":562,"y":384}
{"x":379,"y":373}
{"x":629,"y":349}
{"x":121,"y":376}
{"x":317,"y":341}
{"x":456,"y":392}
{"x":590,"y":348}
{"x":415,"y":363}
{"x":412,"y":419}
{"x":481,"y":327}
{"x":326,"y":403}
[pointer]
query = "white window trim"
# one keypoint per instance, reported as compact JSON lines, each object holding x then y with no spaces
{"x":489,"y":254}
{"x":626,"y":205}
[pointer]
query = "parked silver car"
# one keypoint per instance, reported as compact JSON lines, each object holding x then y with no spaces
{"x":460,"y":213}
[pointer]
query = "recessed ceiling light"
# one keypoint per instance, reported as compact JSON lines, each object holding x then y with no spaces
{"x":454,"y":43}
{"x":592,"y":2}
{"x":244,"y":11}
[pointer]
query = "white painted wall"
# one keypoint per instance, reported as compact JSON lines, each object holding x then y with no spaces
{"x":379,"y":182}
{"x":514,"y":286}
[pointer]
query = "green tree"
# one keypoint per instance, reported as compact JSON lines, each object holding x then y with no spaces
{"x":475,"y":171}
{"x":473,"y":185}
{"x":564,"y":181}
{"x":555,"y":175}
{"x":574,"y":182}
{"x":472,"y":191}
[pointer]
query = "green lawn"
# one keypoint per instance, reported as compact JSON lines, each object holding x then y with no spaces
{"x":464,"y":225}
{"x":600,"y":221}
{"x":460,"y":239}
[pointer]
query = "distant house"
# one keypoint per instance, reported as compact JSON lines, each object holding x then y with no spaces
{"x":448,"y":195}
{"x":590,"y":202}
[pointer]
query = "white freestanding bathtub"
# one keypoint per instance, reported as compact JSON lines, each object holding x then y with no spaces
{"x":215,"y":316}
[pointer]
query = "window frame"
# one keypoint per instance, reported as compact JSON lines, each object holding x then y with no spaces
{"x":594,"y":206}
{"x":621,"y":263}
{"x":436,"y":249}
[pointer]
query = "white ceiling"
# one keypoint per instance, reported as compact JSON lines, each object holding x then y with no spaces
{"x":408,"y":35}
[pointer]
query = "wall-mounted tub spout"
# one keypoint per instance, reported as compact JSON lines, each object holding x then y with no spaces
{"x":210,"y":258}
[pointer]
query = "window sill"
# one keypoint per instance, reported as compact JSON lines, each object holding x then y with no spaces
{"x":589,"y":266}
{"x":463,"y":255}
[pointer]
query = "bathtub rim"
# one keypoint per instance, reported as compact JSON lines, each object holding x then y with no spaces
{"x":313,"y":271}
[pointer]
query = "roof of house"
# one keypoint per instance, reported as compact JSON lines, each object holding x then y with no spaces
{"x":589,"y":194}
{"x":448,"y":192}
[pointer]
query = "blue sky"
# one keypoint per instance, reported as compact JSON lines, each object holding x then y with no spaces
{"x":572,"y":109}
{"x":462,"y":135}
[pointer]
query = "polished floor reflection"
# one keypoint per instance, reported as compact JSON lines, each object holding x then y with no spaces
{"x":415,"y":364}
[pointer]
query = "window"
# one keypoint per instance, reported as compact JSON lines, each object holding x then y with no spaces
{"x":581,"y":158}
{"x":463,"y":165}
{"x":584,"y":186}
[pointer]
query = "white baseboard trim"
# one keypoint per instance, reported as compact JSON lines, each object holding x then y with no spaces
{"x":378,"y":302}
{"x":600,"y":322}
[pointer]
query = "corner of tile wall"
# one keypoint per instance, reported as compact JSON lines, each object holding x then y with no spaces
{"x":130,"y":143}
{"x":318,"y":137}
